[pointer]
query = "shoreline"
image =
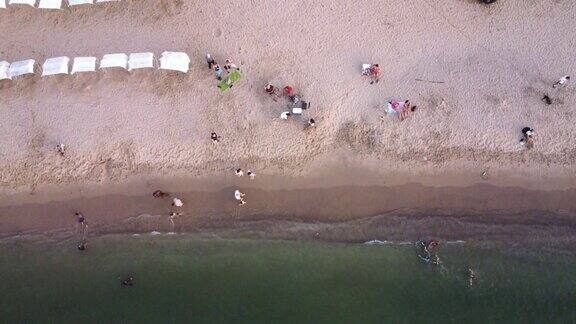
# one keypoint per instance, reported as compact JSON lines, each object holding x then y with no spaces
{"x":304,"y":209}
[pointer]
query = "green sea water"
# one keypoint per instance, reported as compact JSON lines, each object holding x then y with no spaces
{"x":182,"y":279}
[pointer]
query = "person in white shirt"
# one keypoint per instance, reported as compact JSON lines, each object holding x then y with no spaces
{"x":239,"y":172}
{"x":284,"y":115}
{"x":251,"y":174}
{"x":240,"y":197}
{"x":177,"y":202}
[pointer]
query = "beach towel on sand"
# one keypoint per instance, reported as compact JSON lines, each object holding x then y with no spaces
{"x":224,"y":85}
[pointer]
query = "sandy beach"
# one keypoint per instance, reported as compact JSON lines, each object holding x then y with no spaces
{"x":453,"y":169}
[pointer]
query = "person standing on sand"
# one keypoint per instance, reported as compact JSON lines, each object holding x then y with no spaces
{"x":61,"y":148}
{"x":562,"y":81}
{"x":375,"y":73}
{"x":527,"y":140}
{"x":251,"y":174}
{"x":82,"y":246}
{"x":239,"y":173}
{"x":218,"y":72}
{"x":210,"y":61}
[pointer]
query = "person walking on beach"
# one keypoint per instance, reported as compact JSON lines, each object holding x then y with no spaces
{"x":82,"y":223}
{"x":61,"y":149}
{"x":251,"y":174}
{"x":561,"y":81}
{"x":471,"y":277}
{"x":229,"y":66}
{"x":218,"y":72}
{"x":215,"y":138}
{"x":171,"y":217}
{"x":210,"y":61}
{"x":239,"y":173}
{"x":238,"y":195}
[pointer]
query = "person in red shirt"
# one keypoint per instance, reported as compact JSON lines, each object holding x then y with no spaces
{"x":375,"y":73}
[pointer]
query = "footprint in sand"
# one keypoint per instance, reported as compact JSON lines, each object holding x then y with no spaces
{"x":218,"y":32}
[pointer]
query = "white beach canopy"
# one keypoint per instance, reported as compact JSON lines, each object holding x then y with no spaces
{"x":4,"y":70}
{"x":106,"y":0}
{"x":79,"y":2}
{"x":22,"y":67}
{"x":114,"y":60}
{"x":50,"y":4}
{"x":84,"y":64}
{"x":55,"y":65}
{"x":177,"y":61}
{"x":2,"y":3}
{"x":140,"y":61}
{"x":23,"y":2}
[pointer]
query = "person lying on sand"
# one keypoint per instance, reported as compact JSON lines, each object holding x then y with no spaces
{"x":375,"y":73}
{"x":406,"y":110}
{"x":527,"y":140}
{"x":284,"y":115}
{"x":229,"y":66}
{"x":272,"y":91}
{"x":214,"y":137}
{"x":160,"y":194}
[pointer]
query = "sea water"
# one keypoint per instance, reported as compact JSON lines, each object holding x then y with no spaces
{"x":183,"y":279}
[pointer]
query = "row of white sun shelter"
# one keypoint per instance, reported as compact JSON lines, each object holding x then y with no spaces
{"x":176,"y":61}
{"x":50,"y":4}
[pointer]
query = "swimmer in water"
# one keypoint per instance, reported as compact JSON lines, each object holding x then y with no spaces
{"x":82,"y":246}
{"x":128,"y":282}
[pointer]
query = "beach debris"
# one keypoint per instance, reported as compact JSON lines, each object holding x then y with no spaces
{"x":251,"y":174}
{"x":214,"y":137}
{"x":176,"y":202}
{"x":127,"y":282}
{"x":61,"y":149}
{"x":547,"y":100}
{"x":561,"y":81}
{"x":160,"y":194}
{"x":239,"y":172}
{"x":238,"y":195}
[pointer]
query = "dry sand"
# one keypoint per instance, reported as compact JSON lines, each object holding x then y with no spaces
{"x":490,"y":66}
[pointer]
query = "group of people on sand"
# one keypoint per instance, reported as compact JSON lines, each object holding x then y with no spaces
{"x":288,"y":92}
{"x":176,"y":204}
